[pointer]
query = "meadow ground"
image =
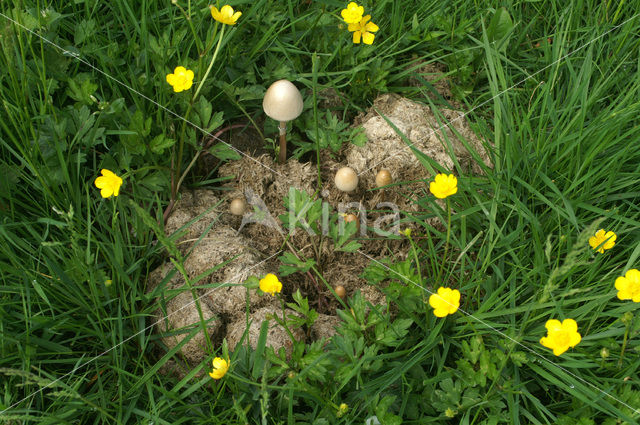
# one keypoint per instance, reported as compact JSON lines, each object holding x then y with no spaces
{"x":551,"y":87}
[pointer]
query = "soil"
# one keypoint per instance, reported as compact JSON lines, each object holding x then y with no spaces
{"x":223,"y":250}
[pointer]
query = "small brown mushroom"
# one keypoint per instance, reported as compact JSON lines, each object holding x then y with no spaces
{"x":340,"y":291}
{"x":352,"y":217}
{"x":237,"y":206}
{"x":383,"y":178}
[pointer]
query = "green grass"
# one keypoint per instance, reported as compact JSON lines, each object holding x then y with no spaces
{"x":562,"y":120}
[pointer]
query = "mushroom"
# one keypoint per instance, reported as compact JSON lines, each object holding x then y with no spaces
{"x":340,"y":291}
{"x":346,"y":179}
{"x":237,"y":206}
{"x":383,"y":178}
{"x":352,"y":217}
{"x":283,"y":103}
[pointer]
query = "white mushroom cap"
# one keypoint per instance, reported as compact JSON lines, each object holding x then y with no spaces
{"x":282,"y":101}
{"x":346,"y":179}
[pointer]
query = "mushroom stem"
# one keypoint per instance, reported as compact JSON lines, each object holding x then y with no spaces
{"x":282,"y":156}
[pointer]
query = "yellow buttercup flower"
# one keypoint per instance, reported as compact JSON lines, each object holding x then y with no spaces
{"x":445,"y":301}
{"x":342,"y":409}
{"x":108,"y":183}
{"x":364,"y":30}
{"x":353,"y":13}
{"x":628,"y":286}
{"x":561,"y":336}
{"x":220,"y":368}
{"x":270,"y":284}
{"x":600,"y":237}
{"x":444,"y":185}
{"x":225,"y":15}
{"x":181,"y":79}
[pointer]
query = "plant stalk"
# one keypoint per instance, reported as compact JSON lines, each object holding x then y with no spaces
{"x":282,"y":155}
{"x":213,"y":59}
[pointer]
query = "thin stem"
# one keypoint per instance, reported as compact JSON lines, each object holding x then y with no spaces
{"x":282,"y":155}
{"x":176,"y":171}
{"x":187,"y":16}
{"x":446,"y":244}
{"x":415,"y":257}
{"x":176,"y":187}
{"x":624,"y":344}
{"x":314,"y":68}
{"x":213,"y":59}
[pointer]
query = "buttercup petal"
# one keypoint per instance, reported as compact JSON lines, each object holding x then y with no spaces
{"x":370,"y":26}
{"x":356,"y":37}
{"x":101,"y":182}
{"x":622,"y":284}
{"x":455,"y":295}
{"x":367,"y":38}
{"x":440,"y":312}
{"x":575,"y":339}
{"x":116,"y":189}
{"x":226,"y":11}
{"x":545,"y":342}
{"x":559,"y":350}
{"x":569,"y":325}
{"x":106,"y":192}
{"x":553,"y":325}
{"x":633,"y":275}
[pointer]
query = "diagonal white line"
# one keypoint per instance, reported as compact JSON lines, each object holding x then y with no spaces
{"x":131,"y":337}
{"x":164,"y":108}
{"x":448,"y":125}
{"x":504,"y":335}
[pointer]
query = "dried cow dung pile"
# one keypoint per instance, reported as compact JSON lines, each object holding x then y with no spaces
{"x":223,"y":250}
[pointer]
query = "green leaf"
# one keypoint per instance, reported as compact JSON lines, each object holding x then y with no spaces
{"x":155,"y":181}
{"x":205,"y":118}
{"x":291,"y":264}
{"x":358,"y":137}
{"x":159,"y":143}
{"x":302,"y":211}
{"x":140,"y":128}
{"x":500,"y":27}
{"x":340,"y":232}
{"x":258,"y":357}
{"x":81,"y":90}
{"x":224,"y":152}
{"x":84,"y":29}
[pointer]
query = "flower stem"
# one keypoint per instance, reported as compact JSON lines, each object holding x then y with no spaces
{"x":624,"y":344}
{"x":415,"y":257}
{"x":213,"y":59}
{"x":177,"y":164}
{"x":446,"y":244}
